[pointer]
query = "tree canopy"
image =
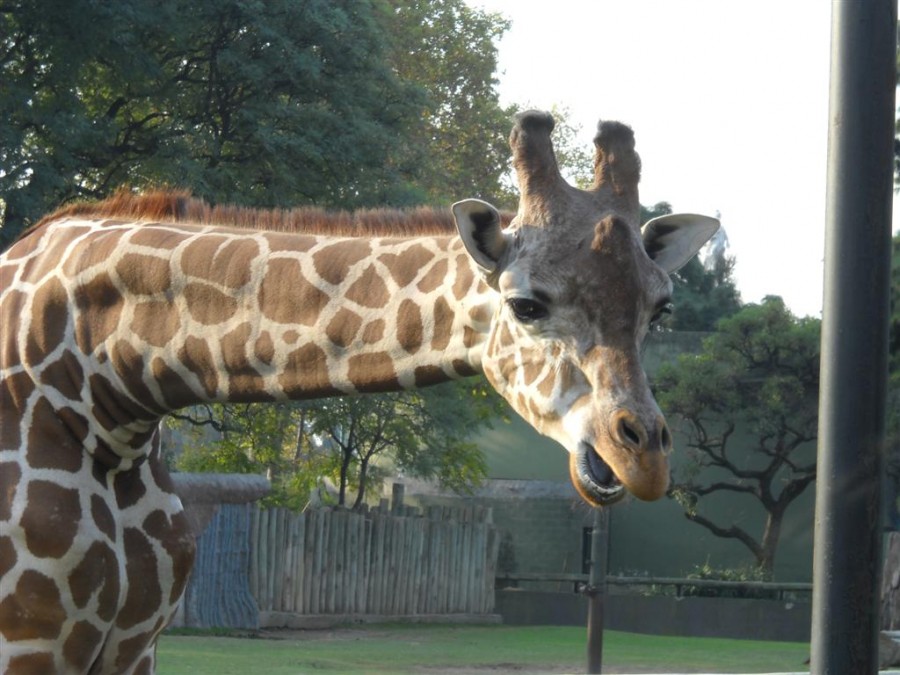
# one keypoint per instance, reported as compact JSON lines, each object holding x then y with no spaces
{"x":261,"y":103}
{"x":749,"y":406}
{"x":353,"y":441}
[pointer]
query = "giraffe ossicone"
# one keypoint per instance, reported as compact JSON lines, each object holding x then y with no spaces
{"x":113,"y":314}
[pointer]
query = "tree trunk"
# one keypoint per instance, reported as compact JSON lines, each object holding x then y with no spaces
{"x":345,"y":477}
{"x":771,"y":535}
{"x":361,"y":492}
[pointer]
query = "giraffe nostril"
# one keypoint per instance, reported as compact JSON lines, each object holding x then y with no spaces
{"x":627,"y":432}
{"x":665,"y":438}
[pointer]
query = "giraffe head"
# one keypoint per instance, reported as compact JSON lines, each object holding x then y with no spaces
{"x":580,"y":284}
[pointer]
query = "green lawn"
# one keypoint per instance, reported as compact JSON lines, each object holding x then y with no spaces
{"x":430,"y":648}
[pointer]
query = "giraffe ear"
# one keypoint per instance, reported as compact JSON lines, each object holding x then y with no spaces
{"x":672,"y":240}
{"x":481,"y":231}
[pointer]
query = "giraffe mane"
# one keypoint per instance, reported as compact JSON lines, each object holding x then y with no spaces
{"x":181,"y":207}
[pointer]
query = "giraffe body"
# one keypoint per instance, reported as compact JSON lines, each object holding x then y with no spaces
{"x":115,"y":314}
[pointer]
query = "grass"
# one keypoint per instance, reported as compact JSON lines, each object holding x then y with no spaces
{"x":373,"y":650}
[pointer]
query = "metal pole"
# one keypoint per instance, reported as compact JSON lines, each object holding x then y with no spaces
{"x":596,"y":590}
{"x":847,"y":560}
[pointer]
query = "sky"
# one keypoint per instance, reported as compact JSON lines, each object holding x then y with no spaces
{"x":729,"y":104}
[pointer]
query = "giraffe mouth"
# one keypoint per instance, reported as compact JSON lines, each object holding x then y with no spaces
{"x":594,"y":478}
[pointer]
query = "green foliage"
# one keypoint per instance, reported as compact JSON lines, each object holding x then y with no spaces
{"x":353,"y":441}
{"x":346,"y":103}
{"x":748,"y":404}
{"x":447,"y":49}
{"x":737,"y":574}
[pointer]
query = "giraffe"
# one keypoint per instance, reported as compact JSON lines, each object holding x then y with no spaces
{"x":115,"y":313}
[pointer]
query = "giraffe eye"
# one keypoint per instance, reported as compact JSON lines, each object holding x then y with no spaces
{"x":662,"y":309}
{"x":527,"y":310}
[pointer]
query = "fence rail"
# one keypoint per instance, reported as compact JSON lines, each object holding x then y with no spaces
{"x":778,"y":590}
{"x":442,"y":561}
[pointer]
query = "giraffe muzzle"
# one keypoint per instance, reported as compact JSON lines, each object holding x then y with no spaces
{"x":633,"y":459}
{"x":593,"y":478}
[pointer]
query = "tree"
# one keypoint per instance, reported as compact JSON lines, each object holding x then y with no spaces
{"x":345,"y":103}
{"x":748,"y":404}
{"x":425,"y":433}
{"x":447,"y":48}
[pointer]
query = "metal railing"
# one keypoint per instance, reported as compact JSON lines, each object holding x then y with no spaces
{"x":778,"y":591}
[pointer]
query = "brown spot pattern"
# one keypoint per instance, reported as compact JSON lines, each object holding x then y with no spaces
{"x":372,"y":372}
{"x":144,"y":274}
{"x":95,"y":250}
{"x":10,"y":475}
{"x":14,"y":392}
{"x":8,"y":555}
{"x":426,"y":375}
{"x":405,"y":266}
{"x":197,"y":357}
{"x":49,"y":317}
{"x":244,"y":378}
{"x":343,"y":327}
{"x":443,"y":324}
{"x":82,"y":645}
{"x":50,"y":443}
{"x":410,"y":331}
{"x":464,"y":277}
{"x":374,"y":331}
{"x":50,"y":519}
{"x":103,"y":517}
{"x":96,"y":575}
{"x":174,"y":535}
{"x":434,"y":277}
{"x":175,"y":391}
{"x":369,"y":290}
{"x":208,"y":305}
{"x":33,"y":611}
{"x":38,"y":663}
{"x":463,"y":368}
{"x":12,"y":309}
{"x":129,"y":488}
{"x":131,"y":649}
{"x":66,"y":375}
{"x":156,"y":322}
{"x":264,"y":348}
{"x":158,"y":238}
{"x":219,"y":261}
{"x":332,"y":263}
{"x":306,"y":372}
{"x":286,"y":296}
{"x":144,"y":593}
{"x":99,"y":308}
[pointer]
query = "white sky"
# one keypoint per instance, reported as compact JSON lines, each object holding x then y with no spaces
{"x":729,"y":104}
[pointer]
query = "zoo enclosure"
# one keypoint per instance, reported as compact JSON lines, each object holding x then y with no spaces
{"x":271,"y":566}
{"x":440,"y":561}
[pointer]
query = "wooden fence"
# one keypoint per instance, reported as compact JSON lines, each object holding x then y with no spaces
{"x":322,"y":561}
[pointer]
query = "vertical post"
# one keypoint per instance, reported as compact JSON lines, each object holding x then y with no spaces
{"x":397,"y":491}
{"x":847,"y":562}
{"x":596,"y":590}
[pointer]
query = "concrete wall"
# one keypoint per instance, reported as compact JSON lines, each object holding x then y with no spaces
{"x":663,"y":615}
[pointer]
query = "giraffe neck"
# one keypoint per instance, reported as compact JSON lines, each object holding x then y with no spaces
{"x":165,"y":316}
